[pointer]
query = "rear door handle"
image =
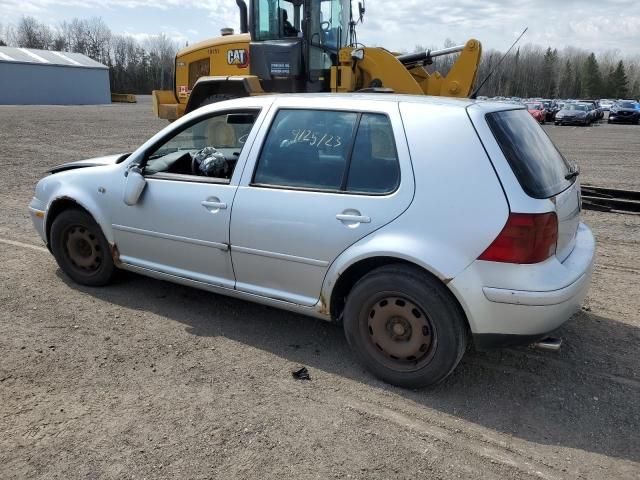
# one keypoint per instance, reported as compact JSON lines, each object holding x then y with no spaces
{"x":344,"y":217}
{"x":219,"y":205}
{"x":213,"y":205}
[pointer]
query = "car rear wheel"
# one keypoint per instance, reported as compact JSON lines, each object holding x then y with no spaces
{"x":404,"y":326}
{"x":80,"y":248}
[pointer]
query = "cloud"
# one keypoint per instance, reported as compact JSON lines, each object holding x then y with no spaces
{"x":583,"y":23}
{"x":401,"y":25}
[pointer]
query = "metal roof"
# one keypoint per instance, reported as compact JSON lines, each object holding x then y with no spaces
{"x":47,"y":57}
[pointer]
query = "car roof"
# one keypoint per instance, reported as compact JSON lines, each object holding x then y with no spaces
{"x":462,"y":103}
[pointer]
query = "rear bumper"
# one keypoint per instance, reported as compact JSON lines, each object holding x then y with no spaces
{"x":508,"y":304}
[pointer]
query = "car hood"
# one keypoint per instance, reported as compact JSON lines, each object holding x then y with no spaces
{"x":91,"y":162}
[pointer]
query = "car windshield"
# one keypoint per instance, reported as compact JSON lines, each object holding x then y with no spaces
{"x":576,"y":107}
{"x":626,"y":105}
{"x":534,"y":159}
{"x":534,"y":106}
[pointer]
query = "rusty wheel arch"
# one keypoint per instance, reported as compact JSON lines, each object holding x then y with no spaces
{"x":64,"y":203}
{"x":347,"y":280}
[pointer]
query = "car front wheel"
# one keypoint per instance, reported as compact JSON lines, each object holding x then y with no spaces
{"x":404,"y":326}
{"x":80,"y":248}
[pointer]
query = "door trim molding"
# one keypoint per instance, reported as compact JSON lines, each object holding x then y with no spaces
{"x":176,"y":238}
{"x":280,"y":256}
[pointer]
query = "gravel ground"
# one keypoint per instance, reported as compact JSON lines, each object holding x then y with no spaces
{"x":145,"y":379}
{"x":608,"y":155}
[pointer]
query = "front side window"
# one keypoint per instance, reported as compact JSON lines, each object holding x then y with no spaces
{"x":329,"y":150}
{"x":208,"y":148}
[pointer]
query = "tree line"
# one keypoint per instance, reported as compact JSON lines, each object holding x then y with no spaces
{"x":135,"y":67}
{"x":529,"y":71}
{"x":532,"y":71}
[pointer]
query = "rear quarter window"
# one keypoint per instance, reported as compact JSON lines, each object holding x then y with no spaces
{"x":536,"y":162}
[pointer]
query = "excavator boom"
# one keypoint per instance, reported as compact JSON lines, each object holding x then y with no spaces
{"x":375,"y":68}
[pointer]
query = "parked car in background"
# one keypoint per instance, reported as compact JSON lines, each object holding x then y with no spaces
{"x":605,"y":105}
{"x":574,"y":114}
{"x":330,"y":206}
{"x":537,"y":111}
{"x":624,"y":111}
{"x":594,"y":107}
{"x":551,"y":107}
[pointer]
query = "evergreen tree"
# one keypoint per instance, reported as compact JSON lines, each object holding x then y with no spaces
{"x":635,"y":91}
{"x":549,"y":73}
{"x":608,"y":88}
{"x":619,"y":82}
{"x":591,"y":78}
{"x":577,"y":90}
{"x":566,"y":81}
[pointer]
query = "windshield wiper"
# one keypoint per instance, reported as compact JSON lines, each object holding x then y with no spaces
{"x":573,"y":173}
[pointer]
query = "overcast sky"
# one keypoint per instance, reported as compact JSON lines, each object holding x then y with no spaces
{"x":597,"y":25}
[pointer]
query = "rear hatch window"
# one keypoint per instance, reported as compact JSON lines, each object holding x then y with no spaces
{"x":534,"y":159}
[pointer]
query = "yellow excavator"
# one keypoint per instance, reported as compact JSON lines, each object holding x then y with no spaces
{"x":304,"y":46}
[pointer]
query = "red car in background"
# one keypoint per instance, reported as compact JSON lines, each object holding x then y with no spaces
{"x":537,"y":111}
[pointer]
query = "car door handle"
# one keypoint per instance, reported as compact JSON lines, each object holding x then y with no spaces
{"x":345,"y":217}
{"x":213,"y":205}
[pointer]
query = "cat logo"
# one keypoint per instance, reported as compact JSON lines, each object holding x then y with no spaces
{"x":238,"y":56}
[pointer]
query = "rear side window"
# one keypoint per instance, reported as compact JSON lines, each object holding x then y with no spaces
{"x":534,"y":159}
{"x":329,"y":150}
{"x":374,"y":164}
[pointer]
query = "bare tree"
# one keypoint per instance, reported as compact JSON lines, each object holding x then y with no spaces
{"x":32,"y":34}
{"x":162,"y":52}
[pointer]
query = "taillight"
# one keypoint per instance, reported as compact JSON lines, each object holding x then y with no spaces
{"x":526,"y":238}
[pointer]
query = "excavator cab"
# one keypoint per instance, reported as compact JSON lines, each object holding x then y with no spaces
{"x":294,"y":43}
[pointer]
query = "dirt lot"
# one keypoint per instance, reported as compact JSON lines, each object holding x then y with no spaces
{"x":145,"y":379}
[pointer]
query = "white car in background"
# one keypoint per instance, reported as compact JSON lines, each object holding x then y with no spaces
{"x":606,"y":105}
{"x":422,"y":224}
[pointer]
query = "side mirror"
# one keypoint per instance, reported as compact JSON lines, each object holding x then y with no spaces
{"x":134,"y":185}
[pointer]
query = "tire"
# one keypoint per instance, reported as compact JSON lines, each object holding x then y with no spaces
{"x":556,"y":124}
{"x":79,"y":247}
{"x":397,"y":310}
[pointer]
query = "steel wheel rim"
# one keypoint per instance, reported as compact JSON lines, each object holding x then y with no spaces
{"x":83,"y":249}
{"x":399,"y":333}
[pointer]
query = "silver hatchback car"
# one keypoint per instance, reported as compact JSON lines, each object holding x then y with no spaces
{"x":422,"y":224}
